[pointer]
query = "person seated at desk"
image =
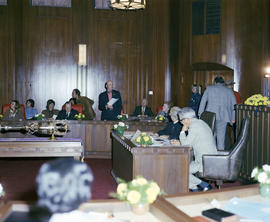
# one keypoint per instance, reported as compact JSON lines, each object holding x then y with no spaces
{"x":50,"y":113}
{"x":86,"y":103}
{"x":173,"y":129}
{"x":143,"y":110}
{"x":165,"y":111}
{"x":62,"y":185}
{"x":109,"y":112}
{"x":68,"y":113}
{"x":30,"y":111}
{"x":14,"y":112}
{"x":201,"y":138}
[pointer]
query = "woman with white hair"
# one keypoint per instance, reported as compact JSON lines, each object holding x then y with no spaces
{"x":201,"y":138}
{"x":173,"y":129}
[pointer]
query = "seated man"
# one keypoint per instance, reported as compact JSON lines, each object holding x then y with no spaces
{"x":201,"y":138}
{"x":143,"y":110}
{"x":173,"y":129}
{"x":68,"y":113}
{"x":86,"y":102}
{"x":165,"y":111}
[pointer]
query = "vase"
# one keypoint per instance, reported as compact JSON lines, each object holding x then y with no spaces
{"x":265,"y":190}
{"x":140,"y":209}
{"x":120,"y":132}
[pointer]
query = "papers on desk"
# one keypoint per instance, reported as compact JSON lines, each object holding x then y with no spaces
{"x":112,"y":101}
{"x":252,"y":211}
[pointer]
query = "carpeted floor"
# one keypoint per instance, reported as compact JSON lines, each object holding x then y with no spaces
{"x":18,"y":177}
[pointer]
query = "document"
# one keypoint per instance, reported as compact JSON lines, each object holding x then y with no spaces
{"x":112,"y":101}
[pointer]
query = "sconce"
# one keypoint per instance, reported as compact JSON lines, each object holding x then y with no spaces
{"x":82,"y":55}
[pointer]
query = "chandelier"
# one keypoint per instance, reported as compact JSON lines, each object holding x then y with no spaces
{"x":128,"y":4}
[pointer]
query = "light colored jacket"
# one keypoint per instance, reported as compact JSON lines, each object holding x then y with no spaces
{"x":201,"y":138}
{"x":220,"y":100}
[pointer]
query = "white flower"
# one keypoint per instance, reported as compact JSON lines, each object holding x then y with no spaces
{"x":127,"y":126}
{"x":254,"y":172}
{"x":115,"y":126}
{"x":121,"y":124}
{"x":127,"y":115}
{"x":262,"y":177}
{"x":266,"y":167}
{"x":119,"y":116}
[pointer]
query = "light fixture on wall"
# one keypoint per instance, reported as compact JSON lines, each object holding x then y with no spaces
{"x":82,"y":55}
{"x":128,"y":4}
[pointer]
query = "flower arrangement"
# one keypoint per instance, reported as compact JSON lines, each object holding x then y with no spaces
{"x":137,"y":191}
{"x":2,"y":192}
{"x":120,"y":128}
{"x":262,"y":175}
{"x":79,"y":116}
{"x":122,"y":117}
{"x":257,"y":100}
{"x":39,"y":116}
{"x":144,"y":139}
{"x":160,"y":118}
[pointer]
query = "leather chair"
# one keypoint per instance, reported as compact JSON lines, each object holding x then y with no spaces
{"x":6,"y":106}
{"x":226,"y":166}
{"x":78,"y":107}
{"x":210,"y":119}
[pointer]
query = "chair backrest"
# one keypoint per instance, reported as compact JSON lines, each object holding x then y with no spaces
{"x":78,"y":107}
{"x":6,"y":106}
{"x":236,"y":155}
{"x":159,"y":109}
{"x":210,"y":119}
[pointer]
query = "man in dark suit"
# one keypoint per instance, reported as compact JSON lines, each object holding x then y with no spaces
{"x":68,"y":113}
{"x":143,"y":110}
{"x":109,"y":112}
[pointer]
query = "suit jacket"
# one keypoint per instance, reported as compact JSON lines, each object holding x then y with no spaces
{"x":201,"y":138}
{"x":147,"y":111}
{"x":195,"y":102}
{"x":63,"y":115}
{"x":172,"y":130}
{"x":87,"y":107}
{"x":109,"y":114}
{"x":220,"y":100}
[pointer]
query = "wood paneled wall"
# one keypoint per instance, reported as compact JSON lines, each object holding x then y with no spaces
{"x":243,"y":41}
{"x":152,"y":49}
{"x":39,"y":52}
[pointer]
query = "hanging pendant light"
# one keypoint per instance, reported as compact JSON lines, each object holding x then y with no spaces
{"x":128,"y":4}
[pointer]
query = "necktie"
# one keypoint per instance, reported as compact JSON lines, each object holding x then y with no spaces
{"x":143,"y":108}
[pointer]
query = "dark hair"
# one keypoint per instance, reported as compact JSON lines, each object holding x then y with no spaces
{"x":77,"y":92}
{"x":105,"y":85}
{"x":49,"y":102}
{"x":73,"y":99}
{"x":31,"y":101}
{"x":63,"y":184}
{"x":219,"y":79}
{"x":17,"y":104}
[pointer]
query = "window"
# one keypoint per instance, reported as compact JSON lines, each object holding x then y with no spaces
{"x":3,"y":2}
{"x":102,"y":4}
{"x":206,"y":17}
{"x":52,"y":3}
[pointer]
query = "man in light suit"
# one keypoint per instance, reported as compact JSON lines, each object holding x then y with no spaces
{"x":201,"y":138}
{"x":220,"y":100}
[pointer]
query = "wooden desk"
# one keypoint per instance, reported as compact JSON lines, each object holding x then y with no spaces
{"x":119,"y":209}
{"x":95,"y":135}
{"x":41,"y":147}
{"x":168,"y":166}
{"x":192,"y":204}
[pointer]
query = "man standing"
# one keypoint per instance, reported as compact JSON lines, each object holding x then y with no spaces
{"x":68,"y":113}
{"x":86,"y":103}
{"x":143,"y":110}
{"x":201,"y":138}
{"x":220,"y":100}
{"x":110,"y":102}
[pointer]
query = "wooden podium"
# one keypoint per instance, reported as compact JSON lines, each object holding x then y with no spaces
{"x":168,"y":166}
